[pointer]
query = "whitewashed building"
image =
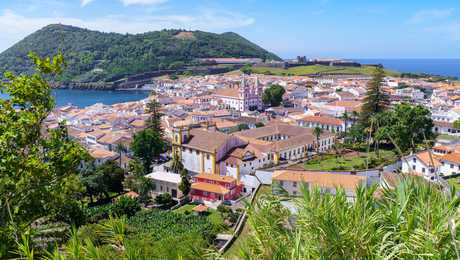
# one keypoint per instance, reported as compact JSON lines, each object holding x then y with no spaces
{"x":243,"y":98}
{"x":166,"y":182}
{"x":291,"y":181}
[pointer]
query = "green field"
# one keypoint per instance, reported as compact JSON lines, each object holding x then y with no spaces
{"x":213,"y":217}
{"x":357,"y":162}
{"x":313,"y":69}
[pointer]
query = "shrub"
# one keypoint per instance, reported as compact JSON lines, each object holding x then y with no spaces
{"x":233,"y":217}
{"x":164,"y":199}
{"x":223,"y":209}
{"x":124,"y":206}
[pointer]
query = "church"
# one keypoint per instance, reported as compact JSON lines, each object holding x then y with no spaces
{"x":246,"y":97}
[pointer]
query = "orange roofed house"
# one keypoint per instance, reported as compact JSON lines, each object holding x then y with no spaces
{"x":212,"y":187}
{"x":291,"y":181}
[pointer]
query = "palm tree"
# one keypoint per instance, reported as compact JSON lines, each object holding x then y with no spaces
{"x":120,"y":149}
{"x":317,"y":131}
{"x":176,"y":164}
{"x":345,"y":117}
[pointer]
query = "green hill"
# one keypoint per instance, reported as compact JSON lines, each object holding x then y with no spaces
{"x":97,"y":56}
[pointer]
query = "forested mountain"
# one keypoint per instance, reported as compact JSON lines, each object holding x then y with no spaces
{"x":95,"y":56}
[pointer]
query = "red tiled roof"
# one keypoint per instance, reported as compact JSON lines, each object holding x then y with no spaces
{"x":322,"y":120}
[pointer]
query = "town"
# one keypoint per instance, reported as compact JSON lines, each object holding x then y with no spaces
{"x":227,"y":140}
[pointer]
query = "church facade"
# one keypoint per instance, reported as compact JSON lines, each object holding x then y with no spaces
{"x":246,"y":97}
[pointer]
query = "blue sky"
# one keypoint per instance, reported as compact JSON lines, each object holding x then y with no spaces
{"x":316,"y":28}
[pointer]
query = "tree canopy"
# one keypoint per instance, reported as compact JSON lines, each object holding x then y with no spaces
{"x":154,"y":121}
{"x":146,"y":145}
{"x":375,"y":100}
{"x":273,"y":95}
{"x":408,"y":125}
{"x":38,"y":166}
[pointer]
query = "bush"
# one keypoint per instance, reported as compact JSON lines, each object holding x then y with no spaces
{"x":164,"y":199}
{"x":233,"y":217}
{"x":223,"y":209}
{"x":124,"y":206}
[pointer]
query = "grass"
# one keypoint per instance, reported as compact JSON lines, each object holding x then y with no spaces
{"x":454,"y":182}
{"x":232,"y":252}
{"x":213,"y":217}
{"x":358,"y":162}
{"x":312,"y":69}
{"x":448,"y":137}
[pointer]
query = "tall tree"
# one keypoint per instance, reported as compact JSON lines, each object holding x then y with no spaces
{"x":375,"y":100}
{"x":345,"y":117}
{"x":317,"y":131}
{"x":154,"y":121}
{"x":185,"y":184}
{"x":38,"y":166}
{"x":273,"y":95}
{"x":146,"y":145}
{"x":137,"y":181}
{"x":120,"y":149}
{"x":176,"y":164}
{"x":91,"y":180}
{"x":113,"y":176}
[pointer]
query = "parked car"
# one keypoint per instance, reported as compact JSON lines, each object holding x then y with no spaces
{"x":227,"y":203}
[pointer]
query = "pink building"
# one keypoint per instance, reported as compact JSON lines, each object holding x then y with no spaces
{"x":210,"y":187}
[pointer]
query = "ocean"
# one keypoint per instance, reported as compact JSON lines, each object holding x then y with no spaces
{"x":444,"y":67}
{"x":84,"y":98}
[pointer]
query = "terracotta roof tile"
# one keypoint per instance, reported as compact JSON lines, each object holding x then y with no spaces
{"x":322,"y":120}
{"x":329,"y":180}
{"x":451,"y":157}
{"x":208,"y":187}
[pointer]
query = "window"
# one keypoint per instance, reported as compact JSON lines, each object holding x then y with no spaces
{"x":281,"y":183}
{"x":205,"y":193}
{"x":423,"y":170}
{"x":294,"y":184}
{"x":212,"y":194}
{"x":451,"y":166}
{"x":414,"y":160}
{"x":207,"y":156}
{"x":413,"y":167}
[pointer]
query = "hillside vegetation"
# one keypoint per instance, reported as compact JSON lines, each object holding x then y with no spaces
{"x":316,"y":69}
{"x":96,"y":56}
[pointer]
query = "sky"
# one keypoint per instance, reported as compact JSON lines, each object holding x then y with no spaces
{"x":312,"y":28}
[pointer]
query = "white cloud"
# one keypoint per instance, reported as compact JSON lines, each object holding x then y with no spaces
{"x":85,"y":2}
{"x":429,"y":15}
{"x":144,"y":2}
{"x":448,"y":31}
{"x":14,"y":27}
